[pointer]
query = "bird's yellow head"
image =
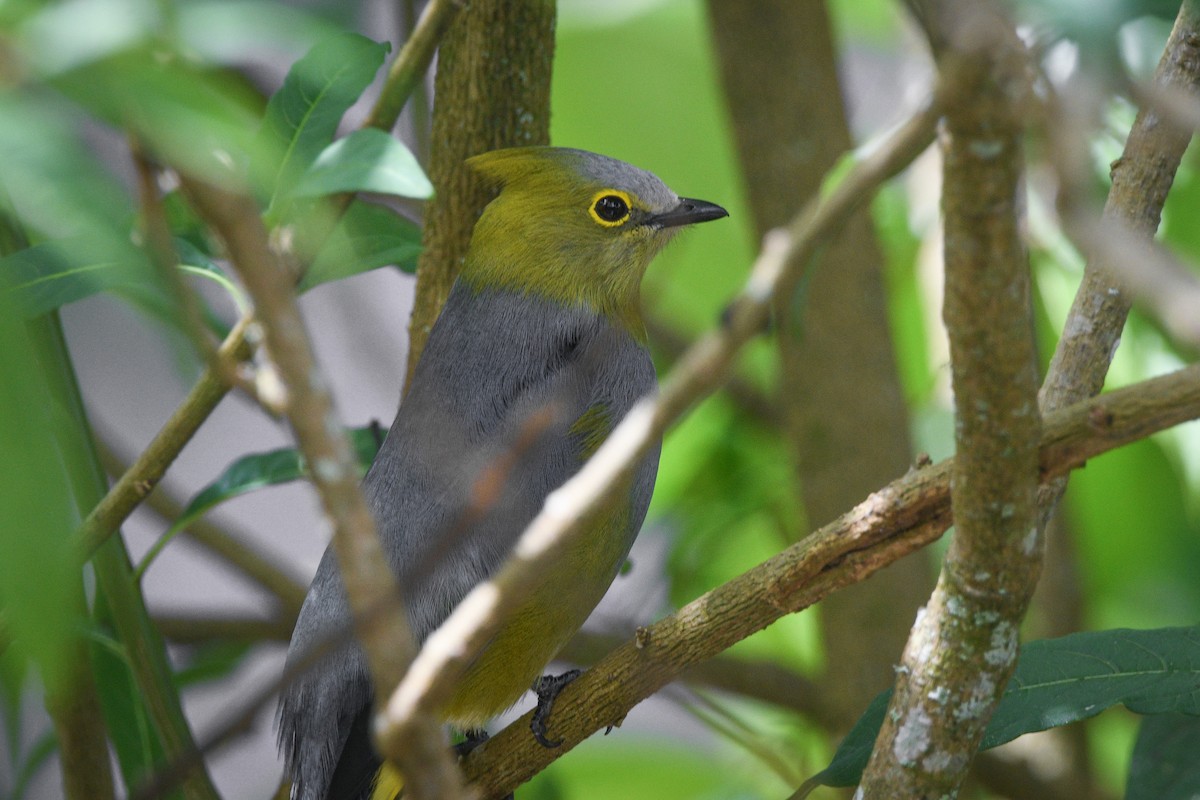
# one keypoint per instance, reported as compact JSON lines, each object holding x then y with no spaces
{"x":574,"y":227}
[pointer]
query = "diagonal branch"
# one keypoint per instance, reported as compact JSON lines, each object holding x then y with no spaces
{"x":894,"y":521}
{"x":1141,"y":178}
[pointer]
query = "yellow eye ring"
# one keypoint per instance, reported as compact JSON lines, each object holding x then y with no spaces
{"x":610,"y":207}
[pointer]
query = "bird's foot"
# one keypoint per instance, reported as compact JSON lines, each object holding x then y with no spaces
{"x":547,"y":688}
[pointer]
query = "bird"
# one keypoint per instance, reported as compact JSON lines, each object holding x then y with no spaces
{"x":539,"y":351}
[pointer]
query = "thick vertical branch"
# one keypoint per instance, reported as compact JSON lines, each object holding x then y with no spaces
{"x":963,"y":648}
{"x":779,"y":71}
{"x":492,"y":90}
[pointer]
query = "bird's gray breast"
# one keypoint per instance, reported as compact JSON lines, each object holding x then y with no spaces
{"x":484,"y":434}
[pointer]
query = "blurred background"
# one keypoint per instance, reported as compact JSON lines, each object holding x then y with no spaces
{"x":640,"y":80}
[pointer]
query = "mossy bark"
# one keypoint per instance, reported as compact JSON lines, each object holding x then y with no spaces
{"x":492,"y":90}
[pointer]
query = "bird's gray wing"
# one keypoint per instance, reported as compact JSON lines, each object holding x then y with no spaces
{"x":484,"y":408}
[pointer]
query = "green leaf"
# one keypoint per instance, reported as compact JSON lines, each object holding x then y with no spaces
{"x":257,"y":471}
{"x":269,"y":469}
{"x":1164,"y":764}
{"x":366,"y":160}
{"x":198,"y":119}
{"x":1059,"y":681}
{"x":40,"y":593}
{"x":367,"y":237}
{"x":139,"y":751}
{"x":50,"y":275}
{"x":303,"y":115}
{"x":224,"y":31}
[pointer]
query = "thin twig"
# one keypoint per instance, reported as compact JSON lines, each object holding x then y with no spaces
{"x":159,"y":244}
{"x":1141,"y":178}
{"x":412,"y":62}
{"x":368,"y":580}
{"x":449,"y":649}
{"x":140,"y":479}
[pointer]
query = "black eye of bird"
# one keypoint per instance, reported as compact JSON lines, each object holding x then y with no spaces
{"x":611,"y":208}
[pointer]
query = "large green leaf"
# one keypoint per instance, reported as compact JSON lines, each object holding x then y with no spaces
{"x":200,"y":120}
{"x":366,"y":160}
{"x":1164,"y":764}
{"x":367,"y":237}
{"x":303,"y":115}
{"x":50,"y":275}
{"x":39,"y":589}
{"x":1059,"y":681}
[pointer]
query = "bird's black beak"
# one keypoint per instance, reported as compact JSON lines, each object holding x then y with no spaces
{"x":688,"y":212}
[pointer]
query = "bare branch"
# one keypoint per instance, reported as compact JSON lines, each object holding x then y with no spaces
{"x":896,"y":520}
{"x":1141,"y":179}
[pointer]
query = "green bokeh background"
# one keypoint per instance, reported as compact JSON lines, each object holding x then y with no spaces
{"x":636,"y":80}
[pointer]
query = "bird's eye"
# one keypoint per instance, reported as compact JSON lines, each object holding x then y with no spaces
{"x":610,"y":208}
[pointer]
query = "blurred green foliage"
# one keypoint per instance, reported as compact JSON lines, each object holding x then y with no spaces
{"x":635,"y":80}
